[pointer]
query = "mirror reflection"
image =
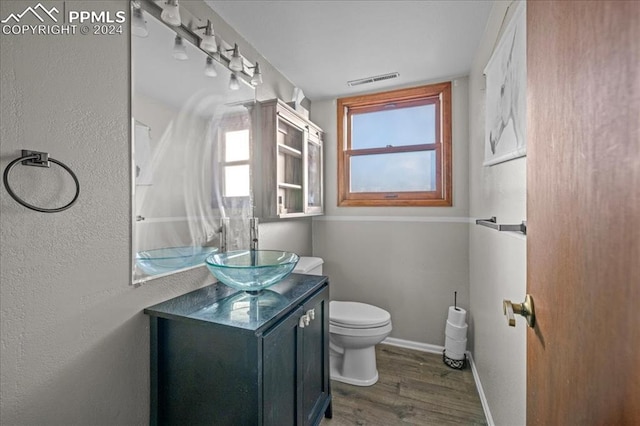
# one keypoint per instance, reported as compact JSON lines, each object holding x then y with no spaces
{"x":191,"y":133}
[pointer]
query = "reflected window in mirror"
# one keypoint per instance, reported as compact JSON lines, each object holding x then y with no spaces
{"x":236,"y":162}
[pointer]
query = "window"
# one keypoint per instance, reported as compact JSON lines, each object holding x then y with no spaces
{"x":234,"y":156}
{"x":236,"y":164}
{"x":394,"y":148}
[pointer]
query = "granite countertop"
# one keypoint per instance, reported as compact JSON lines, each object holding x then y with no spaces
{"x":223,"y":305}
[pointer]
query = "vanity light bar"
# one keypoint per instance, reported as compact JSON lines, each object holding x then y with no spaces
{"x":153,"y":7}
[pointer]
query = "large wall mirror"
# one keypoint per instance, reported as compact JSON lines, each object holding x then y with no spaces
{"x":191,"y":132}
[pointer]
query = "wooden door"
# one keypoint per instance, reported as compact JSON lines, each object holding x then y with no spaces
{"x":583,"y":237}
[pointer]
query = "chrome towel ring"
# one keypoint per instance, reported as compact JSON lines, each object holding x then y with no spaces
{"x":38,"y":159}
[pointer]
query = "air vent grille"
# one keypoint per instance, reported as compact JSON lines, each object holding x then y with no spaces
{"x":373,"y":79}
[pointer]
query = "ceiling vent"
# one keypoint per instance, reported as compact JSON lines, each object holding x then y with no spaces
{"x":373,"y":79}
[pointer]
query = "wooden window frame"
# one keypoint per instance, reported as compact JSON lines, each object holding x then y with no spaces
{"x":438,"y":94}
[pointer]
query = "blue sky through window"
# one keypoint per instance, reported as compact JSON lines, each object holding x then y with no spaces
{"x":398,"y":172}
{"x":397,"y":127}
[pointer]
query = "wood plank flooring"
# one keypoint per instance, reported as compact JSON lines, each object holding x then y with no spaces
{"x":414,"y":388}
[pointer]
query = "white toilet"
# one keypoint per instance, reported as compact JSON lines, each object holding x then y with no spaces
{"x":354,"y":330}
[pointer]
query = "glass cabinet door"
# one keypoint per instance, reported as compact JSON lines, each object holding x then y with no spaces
{"x":313,"y":196}
{"x":291,"y":139}
{"x":287,"y":169}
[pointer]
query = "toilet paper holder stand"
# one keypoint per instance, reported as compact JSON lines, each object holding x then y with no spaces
{"x":526,"y":309}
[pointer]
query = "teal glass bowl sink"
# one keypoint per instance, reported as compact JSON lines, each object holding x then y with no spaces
{"x":163,"y":260}
{"x":249,"y":270}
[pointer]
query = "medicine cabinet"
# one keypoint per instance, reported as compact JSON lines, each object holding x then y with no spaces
{"x":288,"y":162}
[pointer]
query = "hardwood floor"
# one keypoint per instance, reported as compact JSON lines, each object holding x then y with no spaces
{"x":414,"y":388}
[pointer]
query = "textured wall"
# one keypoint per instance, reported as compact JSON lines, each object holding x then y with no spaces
{"x":497,"y":262}
{"x":74,"y":341}
{"x":408,"y":260}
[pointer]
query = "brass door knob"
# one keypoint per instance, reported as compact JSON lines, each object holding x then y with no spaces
{"x":525,"y":309}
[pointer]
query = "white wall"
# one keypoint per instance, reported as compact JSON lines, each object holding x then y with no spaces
{"x":497,"y":260}
{"x":408,"y":260}
{"x":75,"y":345}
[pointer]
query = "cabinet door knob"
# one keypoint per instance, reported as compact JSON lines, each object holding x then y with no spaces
{"x":304,"y":321}
{"x":311,"y":313}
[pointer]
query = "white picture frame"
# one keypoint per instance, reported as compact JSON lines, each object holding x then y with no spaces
{"x":505,"y":98}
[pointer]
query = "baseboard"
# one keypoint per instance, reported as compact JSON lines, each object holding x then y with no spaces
{"x":408,"y":344}
{"x":483,"y":398}
{"x":436,"y":349}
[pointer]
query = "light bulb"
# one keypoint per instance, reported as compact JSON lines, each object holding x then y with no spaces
{"x":171,"y":13}
{"x":179,"y":51}
{"x":209,"y":68}
{"x":208,"y":42}
{"x":233,"y":82}
{"x":257,"y":76}
{"x":138,"y":26}
{"x":236,"y":64}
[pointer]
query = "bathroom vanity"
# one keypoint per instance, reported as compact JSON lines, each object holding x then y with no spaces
{"x":225,"y":357}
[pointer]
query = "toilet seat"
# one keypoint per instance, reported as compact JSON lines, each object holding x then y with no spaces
{"x":356,"y":315}
{"x":360,"y":332}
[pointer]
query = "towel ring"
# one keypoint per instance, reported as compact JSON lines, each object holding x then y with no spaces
{"x":39,"y":159}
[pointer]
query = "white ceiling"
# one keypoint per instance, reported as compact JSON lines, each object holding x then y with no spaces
{"x":320,"y":45}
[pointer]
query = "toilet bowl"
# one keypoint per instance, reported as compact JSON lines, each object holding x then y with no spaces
{"x":354,"y":331}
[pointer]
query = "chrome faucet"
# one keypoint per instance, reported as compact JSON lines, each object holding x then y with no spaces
{"x":253,"y":233}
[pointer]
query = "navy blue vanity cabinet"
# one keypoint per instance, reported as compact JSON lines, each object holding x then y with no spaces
{"x":223,"y":357}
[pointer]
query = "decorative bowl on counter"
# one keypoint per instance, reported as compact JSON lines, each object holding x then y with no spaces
{"x":251,"y":270}
{"x":163,"y":260}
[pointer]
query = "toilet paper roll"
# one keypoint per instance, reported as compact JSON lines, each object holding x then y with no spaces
{"x":456,"y":346}
{"x":456,"y":332}
{"x":454,"y":355}
{"x":457,"y":316}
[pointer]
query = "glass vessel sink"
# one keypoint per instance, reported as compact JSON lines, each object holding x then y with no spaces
{"x":163,"y":260}
{"x":251,"y":270}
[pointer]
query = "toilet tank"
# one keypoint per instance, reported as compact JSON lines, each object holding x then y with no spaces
{"x":309,"y":266}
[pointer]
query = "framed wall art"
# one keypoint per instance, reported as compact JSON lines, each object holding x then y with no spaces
{"x":506,"y":78}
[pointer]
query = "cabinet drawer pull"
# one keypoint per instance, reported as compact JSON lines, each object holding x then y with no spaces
{"x":311,"y":313}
